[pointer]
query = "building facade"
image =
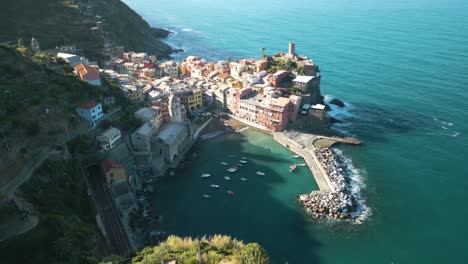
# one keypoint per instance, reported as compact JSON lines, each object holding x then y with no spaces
{"x":91,"y":112}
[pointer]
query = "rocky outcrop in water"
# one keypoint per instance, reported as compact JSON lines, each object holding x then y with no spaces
{"x":337,"y":102}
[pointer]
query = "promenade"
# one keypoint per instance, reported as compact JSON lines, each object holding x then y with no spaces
{"x":307,"y":152}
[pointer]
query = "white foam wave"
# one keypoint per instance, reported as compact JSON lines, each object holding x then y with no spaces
{"x":357,"y":183}
{"x":444,"y":128}
{"x":187,"y":30}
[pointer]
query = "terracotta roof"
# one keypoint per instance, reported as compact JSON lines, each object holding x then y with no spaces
{"x":108,"y":164}
{"x":223,"y":76}
{"x":88,"y":105}
{"x":86,"y":72}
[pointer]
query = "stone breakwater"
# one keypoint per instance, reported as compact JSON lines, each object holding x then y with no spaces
{"x":341,"y":204}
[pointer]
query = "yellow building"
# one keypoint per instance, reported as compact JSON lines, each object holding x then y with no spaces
{"x":192,"y":99}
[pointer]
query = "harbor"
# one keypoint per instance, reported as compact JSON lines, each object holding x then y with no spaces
{"x":263,"y":189}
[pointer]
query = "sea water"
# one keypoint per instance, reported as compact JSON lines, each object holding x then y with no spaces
{"x":401,"y":68}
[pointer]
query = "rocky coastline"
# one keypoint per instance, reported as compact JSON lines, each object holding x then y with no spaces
{"x":340,"y":204}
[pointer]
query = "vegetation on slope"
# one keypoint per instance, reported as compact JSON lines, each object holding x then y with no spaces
{"x":67,"y":232}
{"x":62,"y":22}
{"x":37,"y":102}
{"x":208,"y":250}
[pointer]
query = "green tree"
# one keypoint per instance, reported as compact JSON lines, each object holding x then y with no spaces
{"x":253,"y":253}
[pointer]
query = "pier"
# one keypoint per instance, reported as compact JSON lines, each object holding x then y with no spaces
{"x":307,"y":152}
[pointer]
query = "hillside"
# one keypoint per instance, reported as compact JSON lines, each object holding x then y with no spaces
{"x":63,"y":22}
{"x":36,"y":106}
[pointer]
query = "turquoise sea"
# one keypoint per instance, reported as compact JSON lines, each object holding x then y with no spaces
{"x":402,"y":69}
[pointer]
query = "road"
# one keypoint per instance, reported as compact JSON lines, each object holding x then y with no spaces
{"x":109,"y":213}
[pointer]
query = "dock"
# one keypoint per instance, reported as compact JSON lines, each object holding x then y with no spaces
{"x":307,"y":153}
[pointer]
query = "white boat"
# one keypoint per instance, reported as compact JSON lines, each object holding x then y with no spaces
{"x":231,"y":169}
{"x":260,"y":173}
{"x":295,"y":156}
{"x":302,"y":165}
{"x":243,"y":179}
{"x":292,"y":167}
{"x":206,"y":196}
{"x":205,"y":175}
{"x":214,"y":186}
{"x":227,"y":178}
{"x":224,"y":163}
{"x":243,"y":161}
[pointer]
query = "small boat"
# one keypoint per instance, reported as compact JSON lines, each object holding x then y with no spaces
{"x":243,"y":179}
{"x":260,"y":173}
{"x":231,"y":169}
{"x":227,"y":178}
{"x":239,"y":165}
{"x":224,"y":163}
{"x":295,"y":156}
{"x":292,"y":167}
{"x":214,"y":186}
{"x":243,"y":161}
{"x":205,"y":175}
{"x":230,"y":192}
{"x":206,"y":196}
{"x":301,"y":165}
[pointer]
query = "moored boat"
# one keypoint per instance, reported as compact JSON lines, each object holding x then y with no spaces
{"x":230,"y":192}
{"x":295,"y":156}
{"x":214,"y":186}
{"x":243,"y":161}
{"x":301,"y":164}
{"x":206,"y":196}
{"x":292,"y":167}
{"x":231,"y":169}
{"x":260,"y":173}
{"x":205,"y":175}
{"x":227,"y":178}
{"x":224,"y":163}
{"x":243,"y":179}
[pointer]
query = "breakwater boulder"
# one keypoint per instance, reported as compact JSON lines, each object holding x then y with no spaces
{"x":337,"y":205}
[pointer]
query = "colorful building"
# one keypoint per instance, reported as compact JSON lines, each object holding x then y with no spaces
{"x":91,"y":112}
{"x":88,"y":74}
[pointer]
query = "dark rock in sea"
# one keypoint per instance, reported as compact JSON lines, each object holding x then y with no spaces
{"x":337,"y":102}
{"x":178,"y":50}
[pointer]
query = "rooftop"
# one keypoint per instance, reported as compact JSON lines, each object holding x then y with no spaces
{"x":318,"y":107}
{"x":88,"y":105}
{"x":303,"y":78}
{"x":111,"y":132}
{"x":87,"y":73}
{"x":171,"y":131}
{"x":146,"y":129}
{"x":145,"y":112}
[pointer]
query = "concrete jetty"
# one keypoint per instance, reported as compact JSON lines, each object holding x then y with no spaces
{"x":334,"y":200}
{"x":318,"y":172}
